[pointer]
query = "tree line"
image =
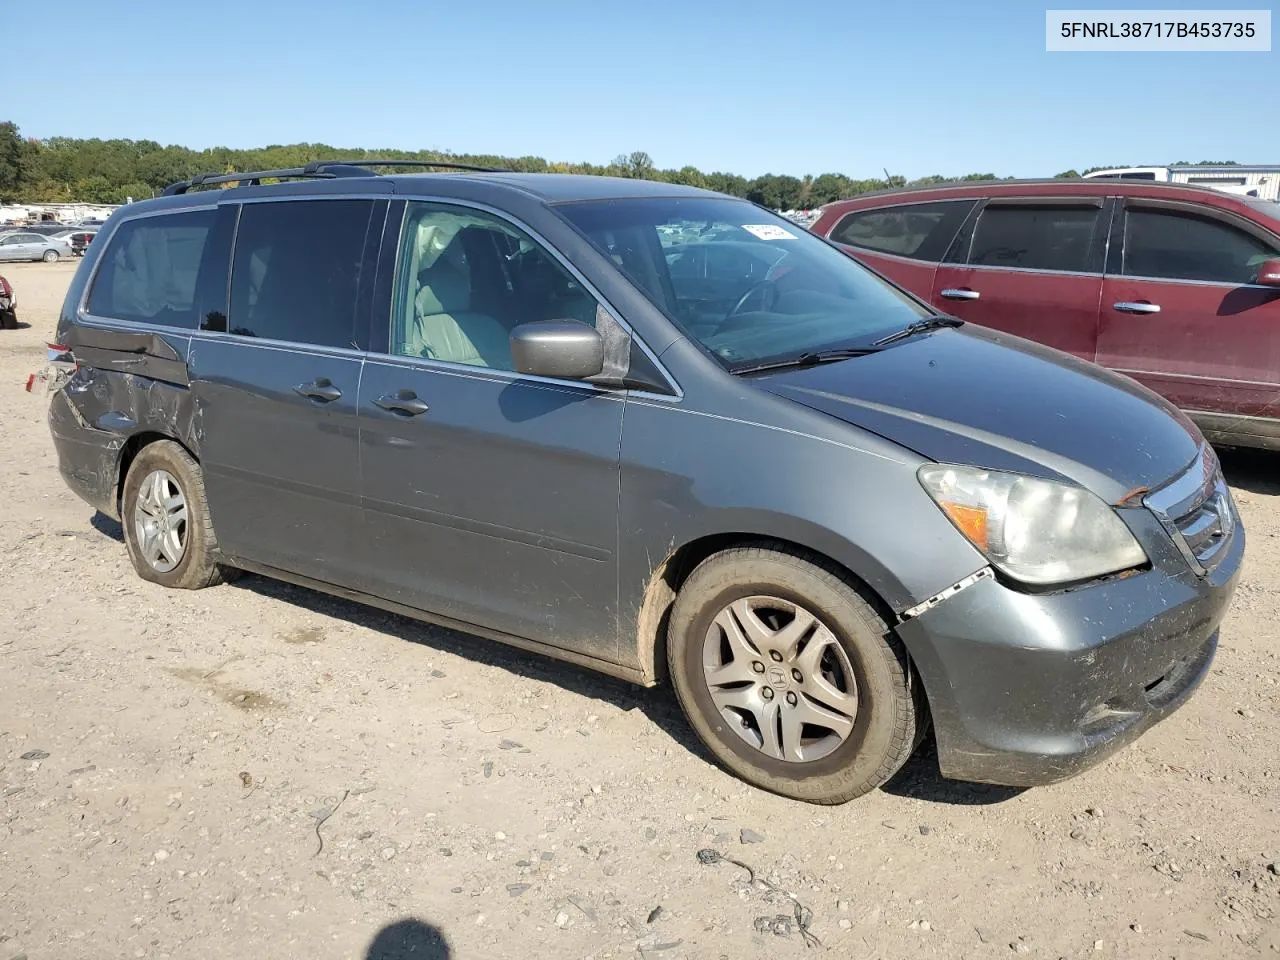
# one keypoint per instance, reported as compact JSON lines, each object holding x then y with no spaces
{"x":66,"y":169}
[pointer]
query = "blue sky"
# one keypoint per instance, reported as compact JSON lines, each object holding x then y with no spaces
{"x":805,"y":86}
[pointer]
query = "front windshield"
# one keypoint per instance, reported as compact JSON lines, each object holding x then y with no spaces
{"x":750,"y":286}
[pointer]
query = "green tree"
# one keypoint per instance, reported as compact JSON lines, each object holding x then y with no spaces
{"x":12,"y":156}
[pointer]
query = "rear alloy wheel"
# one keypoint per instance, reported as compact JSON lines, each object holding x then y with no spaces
{"x":50,"y":256}
{"x":165,"y":516}
{"x":790,"y":677}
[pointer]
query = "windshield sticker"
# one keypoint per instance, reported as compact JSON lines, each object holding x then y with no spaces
{"x":767,"y":231}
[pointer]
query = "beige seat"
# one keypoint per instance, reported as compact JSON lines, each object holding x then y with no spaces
{"x":445,"y":328}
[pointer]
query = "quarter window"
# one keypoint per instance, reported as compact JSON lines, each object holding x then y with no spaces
{"x":921,"y":231}
{"x":1181,"y":246}
{"x":1035,"y":237}
{"x":466,"y":278}
{"x":149,"y":269}
{"x":296,"y":270}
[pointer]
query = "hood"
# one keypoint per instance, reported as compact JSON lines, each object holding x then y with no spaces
{"x":975,"y":396}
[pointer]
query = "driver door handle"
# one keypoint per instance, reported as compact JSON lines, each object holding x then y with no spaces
{"x":321,"y":390}
{"x":1125,"y":306}
{"x":960,"y":293}
{"x":402,"y":402}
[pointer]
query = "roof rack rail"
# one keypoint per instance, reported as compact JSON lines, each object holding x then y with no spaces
{"x":255,"y":177}
{"x":317,"y":165}
{"x":317,"y":170}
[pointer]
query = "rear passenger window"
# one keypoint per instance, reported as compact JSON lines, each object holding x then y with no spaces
{"x":296,"y":270}
{"x":1035,"y":237}
{"x":149,"y":269}
{"x":921,"y":231}
{"x":1180,"y":246}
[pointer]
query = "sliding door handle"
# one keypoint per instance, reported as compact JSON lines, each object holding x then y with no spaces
{"x":960,"y":293}
{"x":321,"y":390}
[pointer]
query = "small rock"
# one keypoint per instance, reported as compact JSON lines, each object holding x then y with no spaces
{"x":983,"y":934}
{"x":517,"y":889}
{"x":546,"y":856}
{"x":510,"y":745}
{"x":457,"y":889}
{"x":1274,"y":869}
{"x":750,"y":836}
{"x":925,"y":831}
{"x":488,"y":769}
{"x":1077,"y":834}
{"x":364,"y":834}
{"x":13,"y":791}
{"x":654,"y":914}
{"x":562,"y":919}
{"x":1098,"y":945}
{"x":1019,"y":947}
{"x":842,"y":906}
{"x":1135,"y":927}
{"x":36,"y":755}
{"x":845,"y":923}
{"x":1247,"y":714}
{"x":1093,"y":811}
{"x":446,"y":852}
{"x":499,"y":835}
{"x":1197,"y":934}
{"x":924,"y":925}
{"x":162,"y":854}
{"x":388,"y":853}
{"x":437,"y":674}
{"x":650,"y":833}
{"x":523,"y":863}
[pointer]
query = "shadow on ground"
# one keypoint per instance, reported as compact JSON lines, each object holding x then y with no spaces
{"x":1257,"y":471}
{"x":409,"y":940}
{"x":919,"y":779}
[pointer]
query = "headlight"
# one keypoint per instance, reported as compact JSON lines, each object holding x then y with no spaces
{"x":1036,"y":531}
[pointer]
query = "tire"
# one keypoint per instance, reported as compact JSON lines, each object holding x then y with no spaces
{"x":8,"y":320}
{"x":50,"y":256}
{"x":856,"y":654}
{"x":193,"y":564}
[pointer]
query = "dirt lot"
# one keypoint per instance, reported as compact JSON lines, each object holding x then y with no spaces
{"x":170,"y":763}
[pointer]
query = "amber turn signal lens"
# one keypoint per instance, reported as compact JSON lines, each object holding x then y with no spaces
{"x":972,"y":522}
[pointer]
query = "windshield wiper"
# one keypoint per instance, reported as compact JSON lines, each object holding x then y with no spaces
{"x":923,"y":325}
{"x":810,"y":359}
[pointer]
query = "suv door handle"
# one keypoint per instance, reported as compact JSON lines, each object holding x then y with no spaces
{"x":403,"y":402}
{"x":1125,"y":306}
{"x":320,"y":390}
{"x":960,"y":293}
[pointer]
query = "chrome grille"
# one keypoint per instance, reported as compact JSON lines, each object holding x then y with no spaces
{"x":1197,"y":511}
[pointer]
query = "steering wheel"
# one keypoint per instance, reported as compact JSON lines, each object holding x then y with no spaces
{"x":766,"y":289}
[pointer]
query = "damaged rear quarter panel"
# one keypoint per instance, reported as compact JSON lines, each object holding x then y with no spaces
{"x":129,"y":384}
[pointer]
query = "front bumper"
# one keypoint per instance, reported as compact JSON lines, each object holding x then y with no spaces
{"x":1030,"y":689}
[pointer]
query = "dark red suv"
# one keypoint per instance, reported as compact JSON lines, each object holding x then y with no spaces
{"x":1176,"y":286}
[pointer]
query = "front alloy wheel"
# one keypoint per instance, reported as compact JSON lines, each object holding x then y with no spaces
{"x":780,"y":679}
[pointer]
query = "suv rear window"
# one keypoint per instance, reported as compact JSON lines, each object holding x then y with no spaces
{"x":921,"y":231}
{"x":149,"y":269}
{"x":296,"y":270}
{"x":1035,"y":237}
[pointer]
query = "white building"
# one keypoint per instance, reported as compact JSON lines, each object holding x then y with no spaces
{"x":1261,"y":181}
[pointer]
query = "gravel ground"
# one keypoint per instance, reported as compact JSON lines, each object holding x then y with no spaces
{"x":259,"y":770}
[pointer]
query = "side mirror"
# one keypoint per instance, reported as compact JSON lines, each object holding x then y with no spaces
{"x":1269,"y":273}
{"x":557,"y":348}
